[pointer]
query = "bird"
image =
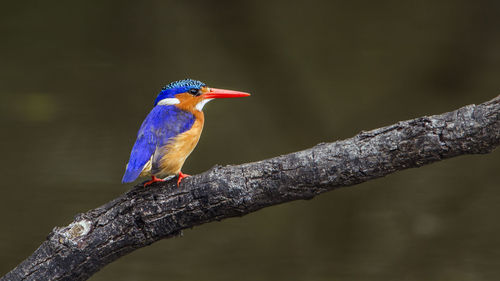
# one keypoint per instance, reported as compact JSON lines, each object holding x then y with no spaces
{"x":171,"y":130}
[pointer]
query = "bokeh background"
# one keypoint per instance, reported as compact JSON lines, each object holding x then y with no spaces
{"x":78,"y":77}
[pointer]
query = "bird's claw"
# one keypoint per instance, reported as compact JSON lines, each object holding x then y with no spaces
{"x":153,"y":180}
{"x":181,"y":176}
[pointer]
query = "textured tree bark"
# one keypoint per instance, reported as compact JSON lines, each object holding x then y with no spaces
{"x":145,"y":215}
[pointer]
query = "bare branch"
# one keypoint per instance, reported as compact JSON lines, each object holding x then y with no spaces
{"x":145,"y":215}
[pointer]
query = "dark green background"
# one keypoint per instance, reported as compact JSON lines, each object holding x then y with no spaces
{"x":78,"y":77}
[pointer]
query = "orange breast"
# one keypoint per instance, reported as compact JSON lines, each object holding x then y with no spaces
{"x":178,"y":149}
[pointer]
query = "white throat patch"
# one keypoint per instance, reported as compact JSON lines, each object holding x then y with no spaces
{"x":169,"y":101}
{"x":202,"y":103}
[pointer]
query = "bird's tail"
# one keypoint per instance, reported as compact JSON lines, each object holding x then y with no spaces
{"x":130,"y":174}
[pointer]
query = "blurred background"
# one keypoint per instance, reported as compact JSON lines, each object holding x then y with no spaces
{"x":78,"y":77}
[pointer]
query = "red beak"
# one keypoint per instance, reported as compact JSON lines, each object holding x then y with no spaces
{"x":221,"y":93}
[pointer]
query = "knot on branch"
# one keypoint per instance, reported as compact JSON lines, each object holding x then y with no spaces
{"x":74,"y":233}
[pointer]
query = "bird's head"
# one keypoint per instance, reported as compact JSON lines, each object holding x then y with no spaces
{"x":192,"y":95}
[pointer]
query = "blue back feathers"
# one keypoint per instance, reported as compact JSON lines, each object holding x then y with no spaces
{"x":163,"y":123}
{"x":178,"y":87}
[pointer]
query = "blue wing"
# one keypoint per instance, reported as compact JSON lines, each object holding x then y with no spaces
{"x":161,"y":124}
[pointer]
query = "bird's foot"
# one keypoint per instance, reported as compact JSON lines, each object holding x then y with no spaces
{"x":153,"y":180}
{"x":181,"y":176}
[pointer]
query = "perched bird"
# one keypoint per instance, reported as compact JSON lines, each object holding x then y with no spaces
{"x":171,"y":130}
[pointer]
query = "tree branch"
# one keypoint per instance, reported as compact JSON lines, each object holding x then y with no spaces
{"x":145,"y":215}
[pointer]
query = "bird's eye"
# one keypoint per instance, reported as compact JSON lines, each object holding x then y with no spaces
{"x":194,"y":91}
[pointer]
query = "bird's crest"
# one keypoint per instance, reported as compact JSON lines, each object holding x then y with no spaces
{"x":185,"y":83}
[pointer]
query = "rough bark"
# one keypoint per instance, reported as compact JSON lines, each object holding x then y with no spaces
{"x":145,"y":215}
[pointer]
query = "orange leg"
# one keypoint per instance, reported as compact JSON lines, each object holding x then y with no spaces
{"x":181,"y":176}
{"x":153,"y":180}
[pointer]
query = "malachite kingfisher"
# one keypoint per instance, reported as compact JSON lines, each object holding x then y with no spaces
{"x":171,"y":130}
